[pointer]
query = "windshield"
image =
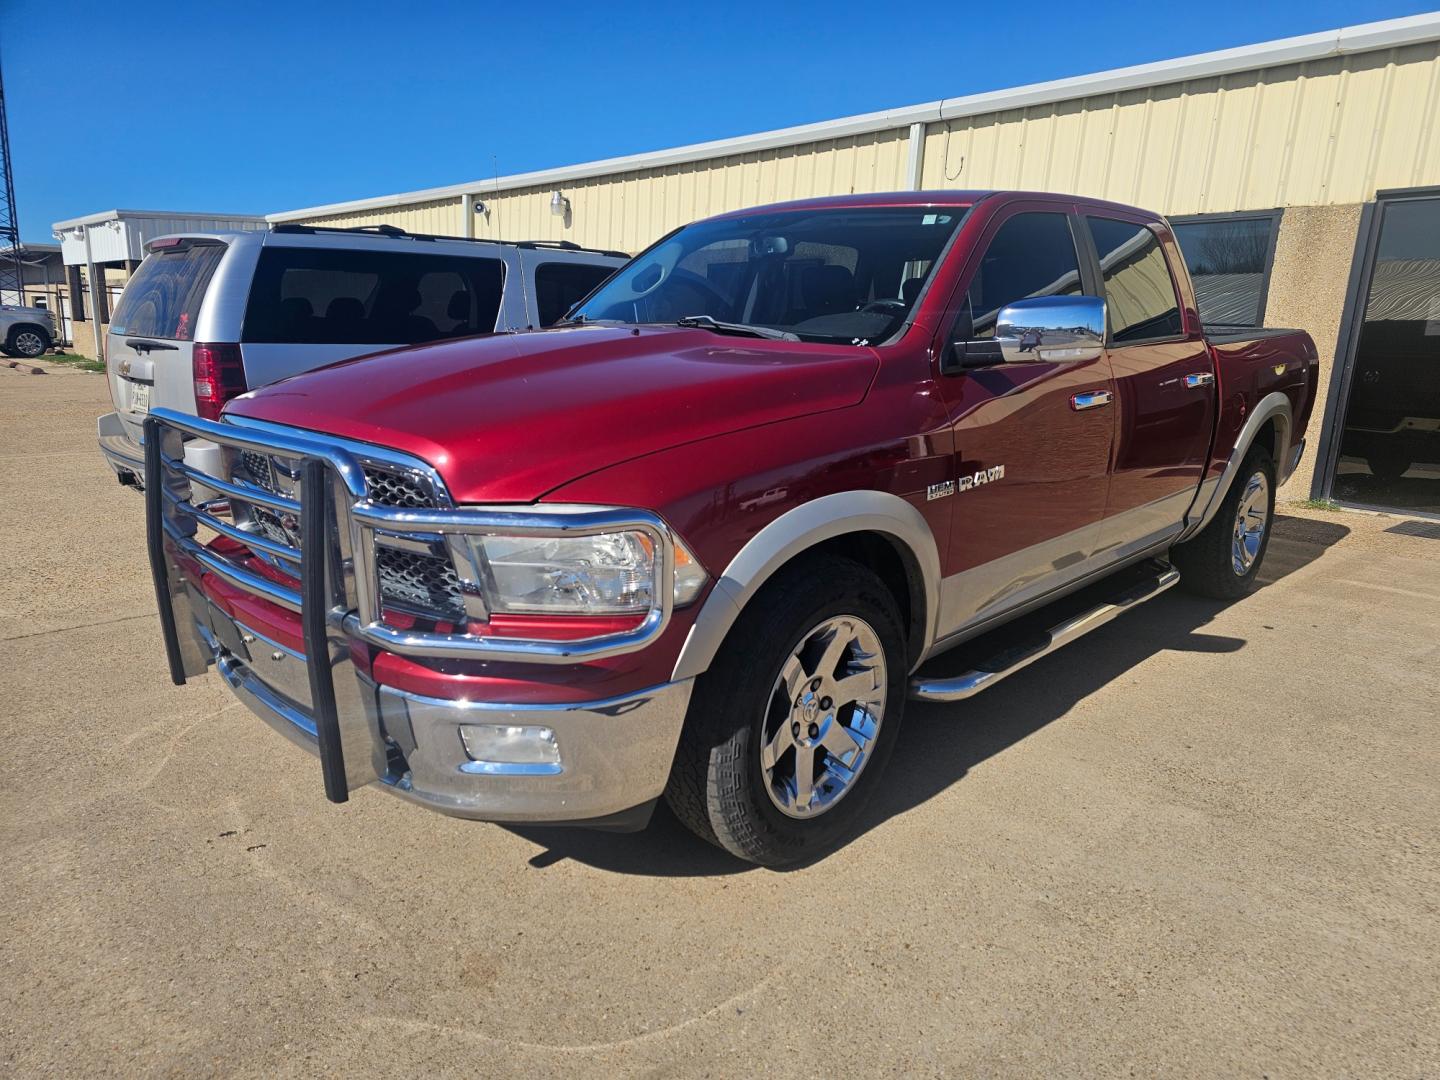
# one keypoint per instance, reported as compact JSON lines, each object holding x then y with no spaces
{"x":847,"y":275}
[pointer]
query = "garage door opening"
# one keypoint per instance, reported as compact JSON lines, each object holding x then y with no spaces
{"x":1389,"y":443}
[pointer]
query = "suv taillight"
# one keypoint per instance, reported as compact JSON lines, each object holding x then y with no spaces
{"x":219,"y":376}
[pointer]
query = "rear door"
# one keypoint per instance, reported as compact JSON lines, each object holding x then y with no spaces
{"x":313,"y":302}
{"x":148,"y":347}
{"x":1165,"y":381}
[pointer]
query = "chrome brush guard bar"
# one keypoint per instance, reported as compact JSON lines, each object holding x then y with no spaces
{"x":338,"y":599}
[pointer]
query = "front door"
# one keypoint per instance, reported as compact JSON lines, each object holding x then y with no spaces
{"x":1031,"y":467}
{"x":1165,"y":376}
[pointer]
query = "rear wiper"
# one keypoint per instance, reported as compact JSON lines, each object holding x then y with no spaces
{"x":705,"y":322}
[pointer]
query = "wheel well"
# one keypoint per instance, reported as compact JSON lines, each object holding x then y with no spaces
{"x":894,"y":564}
{"x":1268,"y":437}
{"x":44,"y":332}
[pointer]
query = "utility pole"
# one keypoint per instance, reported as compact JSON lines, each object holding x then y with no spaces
{"x":12,"y":277}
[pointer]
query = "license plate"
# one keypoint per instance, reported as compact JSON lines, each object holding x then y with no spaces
{"x":139,"y":397}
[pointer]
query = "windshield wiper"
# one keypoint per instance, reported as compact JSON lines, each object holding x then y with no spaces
{"x":705,"y":322}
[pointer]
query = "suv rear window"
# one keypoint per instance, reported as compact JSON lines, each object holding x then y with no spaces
{"x":163,"y":299}
{"x":309,"y":296}
{"x":559,"y":286}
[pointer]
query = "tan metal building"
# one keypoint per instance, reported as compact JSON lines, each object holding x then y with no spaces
{"x":1280,"y":164}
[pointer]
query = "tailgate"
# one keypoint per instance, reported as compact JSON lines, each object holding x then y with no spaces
{"x":147,"y":373}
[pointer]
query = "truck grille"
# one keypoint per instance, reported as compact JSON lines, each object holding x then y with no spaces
{"x":399,"y":489}
{"x":384,"y":486}
{"x":419,"y":584}
{"x":424,"y":583}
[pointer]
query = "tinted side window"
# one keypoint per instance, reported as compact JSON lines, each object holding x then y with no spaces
{"x":1031,"y":255}
{"x":1140,"y":299}
{"x":559,"y":286}
{"x":1227,"y":261}
{"x":329,"y":296}
{"x":163,"y":299}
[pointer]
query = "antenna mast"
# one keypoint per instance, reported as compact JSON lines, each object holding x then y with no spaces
{"x":12,"y":278}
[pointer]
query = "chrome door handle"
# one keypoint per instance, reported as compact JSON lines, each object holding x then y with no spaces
{"x":1203,"y":378}
{"x":1091,"y":399}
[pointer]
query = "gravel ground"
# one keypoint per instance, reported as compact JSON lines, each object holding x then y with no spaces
{"x":1200,"y":842}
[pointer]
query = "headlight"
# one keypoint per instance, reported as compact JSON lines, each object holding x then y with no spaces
{"x":611,"y":573}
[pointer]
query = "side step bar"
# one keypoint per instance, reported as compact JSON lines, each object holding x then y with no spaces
{"x":1009,"y":661}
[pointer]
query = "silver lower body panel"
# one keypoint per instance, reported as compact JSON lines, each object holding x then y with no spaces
{"x":614,"y":754}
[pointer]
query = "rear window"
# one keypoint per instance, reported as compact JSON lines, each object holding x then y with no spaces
{"x":163,"y":299}
{"x":1140,"y":299}
{"x":347,"y":297}
{"x":560,"y":286}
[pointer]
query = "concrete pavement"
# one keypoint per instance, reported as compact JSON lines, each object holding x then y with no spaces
{"x":1200,"y":842}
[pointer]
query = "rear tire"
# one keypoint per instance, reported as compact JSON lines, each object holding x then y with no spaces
{"x":1224,"y":558}
{"x":27,"y":341}
{"x":789,"y":731}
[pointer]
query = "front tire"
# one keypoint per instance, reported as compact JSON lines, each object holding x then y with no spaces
{"x":789,"y":731}
{"x":1223,"y":560}
{"x":27,"y":341}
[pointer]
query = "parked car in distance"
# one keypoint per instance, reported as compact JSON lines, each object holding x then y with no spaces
{"x":26,"y":331}
{"x":210,"y":315}
{"x":706,"y":538}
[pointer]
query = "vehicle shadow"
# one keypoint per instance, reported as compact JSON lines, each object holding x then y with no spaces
{"x":940,"y":744}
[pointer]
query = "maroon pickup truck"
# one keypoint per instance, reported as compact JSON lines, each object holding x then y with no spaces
{"x":706,"y":538}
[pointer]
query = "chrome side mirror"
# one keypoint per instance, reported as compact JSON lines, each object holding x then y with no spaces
{"x":1051,"y":329}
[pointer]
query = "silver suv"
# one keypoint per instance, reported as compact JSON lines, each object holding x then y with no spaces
{"x":25,"y":331}
{"x":211,"y":315}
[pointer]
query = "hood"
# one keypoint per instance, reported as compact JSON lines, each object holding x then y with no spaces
{"x":509,"y":417}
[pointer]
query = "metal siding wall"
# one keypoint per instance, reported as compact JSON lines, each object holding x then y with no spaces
{"x":440,"y":218}
{"x":1329,"y":132}
{"x":630,"y":210}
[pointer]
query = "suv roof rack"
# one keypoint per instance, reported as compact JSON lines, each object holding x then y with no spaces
{"x":396,"y":233}
{"x":570,"y":245}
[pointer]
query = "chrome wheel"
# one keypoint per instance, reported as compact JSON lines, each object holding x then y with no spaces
{"x":825,"y":713}
{"x":28,"y":343}
{"x":1252,"y":518}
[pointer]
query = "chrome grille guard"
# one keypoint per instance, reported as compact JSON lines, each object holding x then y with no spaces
{"x":338,"y":599}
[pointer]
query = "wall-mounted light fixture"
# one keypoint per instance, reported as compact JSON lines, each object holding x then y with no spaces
{"x":559,"y":205}
{"x":480,"y":207}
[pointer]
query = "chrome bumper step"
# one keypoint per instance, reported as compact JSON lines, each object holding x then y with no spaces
{"x":1007,"y":661}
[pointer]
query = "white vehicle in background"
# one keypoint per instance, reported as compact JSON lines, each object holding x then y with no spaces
{"x":208,"y":316}
{"x":25,"y":331}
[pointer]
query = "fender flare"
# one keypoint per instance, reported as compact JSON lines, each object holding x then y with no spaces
{"x":794,"y":532}
{"x":1207,"y":504}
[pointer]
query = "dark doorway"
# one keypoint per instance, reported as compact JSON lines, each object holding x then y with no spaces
{"x":1389,"y":441}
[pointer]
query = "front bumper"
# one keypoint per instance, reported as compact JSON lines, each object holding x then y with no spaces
{"x":614,"y":755}
{"x":127,"y":457}
{"x":609,"y":760}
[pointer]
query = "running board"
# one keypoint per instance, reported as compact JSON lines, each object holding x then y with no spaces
{"x":1009,"y":661}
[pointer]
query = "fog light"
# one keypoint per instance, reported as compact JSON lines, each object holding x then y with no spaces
{"x":510,"y":749}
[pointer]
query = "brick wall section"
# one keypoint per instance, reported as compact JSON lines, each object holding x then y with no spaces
{"x":1307,"y":290}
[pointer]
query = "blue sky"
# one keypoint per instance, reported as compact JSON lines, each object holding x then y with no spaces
{"x":255,"y":107}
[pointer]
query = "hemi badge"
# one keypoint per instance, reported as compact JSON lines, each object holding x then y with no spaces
{"x":939,"y":491}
